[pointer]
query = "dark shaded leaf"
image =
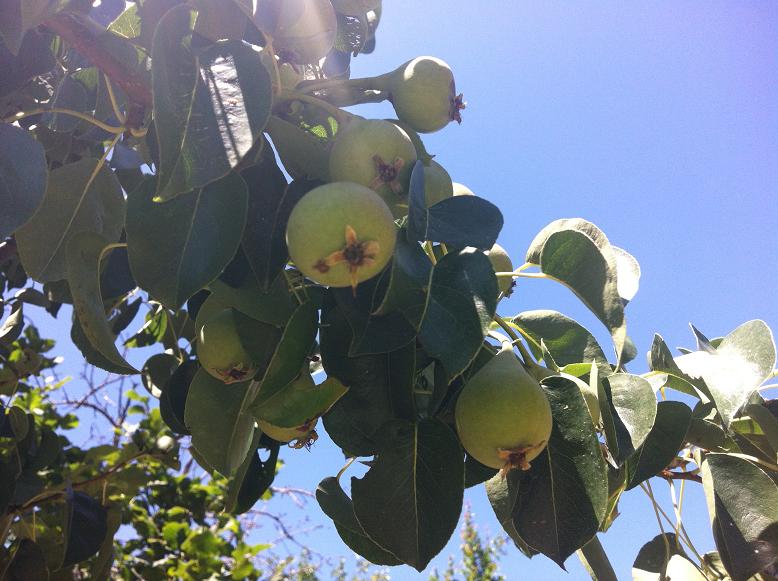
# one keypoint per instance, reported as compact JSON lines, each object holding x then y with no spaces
{"x":74,"y":202}
{"x":86,"y":527}
{"x":210,"y":107}
{"x":458,"y":221}
{"x":410,"y":500}
{"x":338,"y":506}
{"x":628,"y":410}
{"x":172,"y":401}
{"x":178,"y":247}
{"x":653,"y":558}
{"x":460,"y":306}
{"x":23,"y":175}
{"x":744,"y":501}
{"x":666,"y":438}
{"x":84,"y":252}
{"x":221,"y":431}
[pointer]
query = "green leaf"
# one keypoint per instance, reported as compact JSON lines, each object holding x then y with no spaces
{"x":23,"y":176}
{"x":380,"y":387}
{"x":578,"y":254}
{"x":270,"y":203}
{"x":460,"y":307}
{"x":297,"y":403}
{"x":248,"y":486}
{"x":743,"y":506}
{"x":409,"y":276}
{"x":736,"y":368}
{"x":75,"y":201}
{"x":502,"y":494}
{"x":567,"y":340}
{"x":221,"y":431}
{"x":628,"y":273}
{"x":86,"y":527}
{"x":372,"y":333}
{"x":210,"y":106}
{"x":70,"y":94}
{"x":273,"y":307}
{"x":290,"y":354}
{"x":628,"y":410}
{"x":338,"y":506}
{"x":305,"y":156}
{"x":172,"y":401}
{"x":653,"y":559}
{"x":458,"y":220}
{"x":157,"y":371}
{"x":84,"y":252}
{"x":768,"y":424}
{"x":562,"y":499}
{"x":663,"y":442}
{"x":410,"y":500}
{"x":178,"y":247}
{"x":19,"y":16}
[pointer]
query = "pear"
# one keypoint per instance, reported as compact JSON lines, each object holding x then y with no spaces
{"x":502,"y":415}
{"x":341,"y":234}
{"x":462,"y":190}
{"x":424,"y":94}
{"x":220,"y":350}
{"x":501,"y":262}
{"x":302,"y":436}
{"x":374,"y":153}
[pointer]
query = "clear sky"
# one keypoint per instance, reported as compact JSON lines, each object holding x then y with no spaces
{"x":658,"y":121}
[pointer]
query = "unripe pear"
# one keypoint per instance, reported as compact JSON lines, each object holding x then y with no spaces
{"x":462,"y":190}
{"x":424,"y":94}
{"x":374,"y":153}
{"x":341,"y":234}
{"x":302,"y":31}
{"x":501,"y":262}
{"x":220,"y":350}
{"x":502,"y":415}
{"x":437,"y":187}
{"x":355,"y":7}
{"x":303,"y":435}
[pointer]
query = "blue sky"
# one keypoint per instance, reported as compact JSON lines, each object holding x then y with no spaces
{"x":656,"y":121}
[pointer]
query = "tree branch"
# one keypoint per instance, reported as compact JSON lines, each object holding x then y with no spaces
{"x":83,"y":34}
{"x":669,"y":475}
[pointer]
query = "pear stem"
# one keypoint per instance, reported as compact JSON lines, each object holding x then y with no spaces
{"x":525,"y":354}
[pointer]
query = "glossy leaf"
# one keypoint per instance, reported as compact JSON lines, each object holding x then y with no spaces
{"x":743,"y":506}
{"x":628,"y":410}
{"x":460,"y":306}
{"x":13,"y":324}
{"x":628,"y":274}
{"x":214,"y":415}
{"x":84,"y":252}
{"x":562,"y":499}
{"x":180,"y":246}
{"x":566,"y":340}
{"x":458,"y":220}
{"x":338,"y":506}
{"x":305,"y":155}
{"x":410,"y":500}
{"x":210,"y":107}
{"x":290,"y":353}
{"x":74,"y":202}
{"x":273,"y":307}
{"x":23,"y":175}
{"x":297,"y":403}
{"x":380,"y":387}
{"x":408,"y":280}
{"x":666,"y":438}
{"x":661,"y":359}
{"x":651,"y":563}
{"x":736,"y":368}
{"x":578,"y":254}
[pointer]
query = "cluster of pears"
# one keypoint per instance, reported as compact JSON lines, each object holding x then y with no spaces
{"x":222,"y":349}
